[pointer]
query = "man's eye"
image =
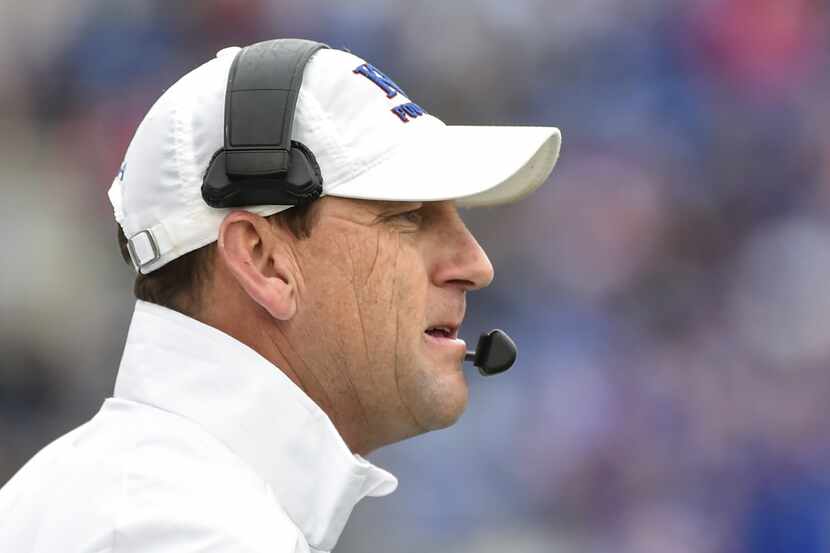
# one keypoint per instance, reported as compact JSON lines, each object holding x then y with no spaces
{"x":413,"y":216}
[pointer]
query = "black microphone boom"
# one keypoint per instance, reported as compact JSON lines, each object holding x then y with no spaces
{"x":494,"y":354}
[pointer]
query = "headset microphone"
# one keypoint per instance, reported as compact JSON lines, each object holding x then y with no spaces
{"x":494,"y":354}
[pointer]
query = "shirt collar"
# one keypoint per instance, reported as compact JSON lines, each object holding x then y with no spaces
{"x":181,"y":365}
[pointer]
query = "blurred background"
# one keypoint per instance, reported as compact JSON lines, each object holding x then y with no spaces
{"x":669,"y":288}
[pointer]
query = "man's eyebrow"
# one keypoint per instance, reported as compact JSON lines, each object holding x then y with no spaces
{"x":387,"y":205}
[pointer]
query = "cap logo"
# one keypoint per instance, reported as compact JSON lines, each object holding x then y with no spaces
{"x":405,"y":112}
{"x":121,"y":171}
{"x":375,"y":75}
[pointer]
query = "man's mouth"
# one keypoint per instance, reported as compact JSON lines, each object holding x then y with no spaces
{"x":449,"y":332}
{"x":443,"y":338}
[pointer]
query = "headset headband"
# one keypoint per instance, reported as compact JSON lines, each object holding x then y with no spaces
{"x":260,"y":164}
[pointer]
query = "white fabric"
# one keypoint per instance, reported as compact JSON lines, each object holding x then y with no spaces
{"x":205,"y":447}
{"x":364,"y":151}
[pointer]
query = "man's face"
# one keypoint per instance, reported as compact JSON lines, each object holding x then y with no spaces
{"x":381,"y":296}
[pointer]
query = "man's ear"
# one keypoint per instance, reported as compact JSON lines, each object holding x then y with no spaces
{"x":253,"y":253}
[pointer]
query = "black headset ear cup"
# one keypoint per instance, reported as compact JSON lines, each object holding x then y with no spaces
{"x":216,"y":185}
{"x":309,"y":179}
{"x":302,"y":183}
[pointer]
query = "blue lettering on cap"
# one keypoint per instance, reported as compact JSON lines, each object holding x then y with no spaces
{"x":398,"y":110}
{"x":379,"y":78}
{"x":413,"y":109}
{"x":122,"y":170}
{"x":406,"y":111}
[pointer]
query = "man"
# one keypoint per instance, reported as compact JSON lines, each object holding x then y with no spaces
{"x":273,"y":346}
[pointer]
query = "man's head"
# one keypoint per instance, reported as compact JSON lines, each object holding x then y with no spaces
{"x":357,"y":296}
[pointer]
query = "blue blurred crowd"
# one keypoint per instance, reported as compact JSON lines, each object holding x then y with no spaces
{"x":668,"y":287}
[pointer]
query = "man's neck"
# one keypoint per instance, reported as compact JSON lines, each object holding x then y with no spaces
{"x":331,"y":392}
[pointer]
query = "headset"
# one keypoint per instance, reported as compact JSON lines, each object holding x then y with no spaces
{"x":259,"y":163}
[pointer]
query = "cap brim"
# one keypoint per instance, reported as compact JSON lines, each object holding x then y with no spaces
{"x":475,"y":165}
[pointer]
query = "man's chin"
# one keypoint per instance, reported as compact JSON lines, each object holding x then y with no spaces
{"x":448,"y":417}
{"x":444,"y":402}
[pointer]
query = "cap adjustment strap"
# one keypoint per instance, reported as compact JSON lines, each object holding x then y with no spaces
{"x":143,"y":249}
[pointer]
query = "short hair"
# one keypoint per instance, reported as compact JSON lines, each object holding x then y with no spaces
{"x":179,"y":284}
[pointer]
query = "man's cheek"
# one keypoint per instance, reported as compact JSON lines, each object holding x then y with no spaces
{"x":411,"y":297}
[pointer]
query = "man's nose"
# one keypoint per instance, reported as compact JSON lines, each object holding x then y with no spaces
{"x":464,"y":263}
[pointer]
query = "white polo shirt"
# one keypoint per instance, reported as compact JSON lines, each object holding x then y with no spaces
{"x":206,"y":446}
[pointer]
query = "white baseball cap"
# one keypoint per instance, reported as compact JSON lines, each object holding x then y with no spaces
{"x":368,"y":145}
